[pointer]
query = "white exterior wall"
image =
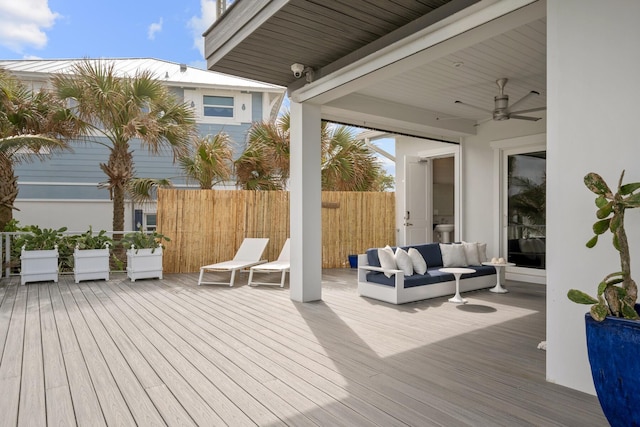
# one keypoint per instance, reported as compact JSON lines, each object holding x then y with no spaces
{"x":76,"y":215}
{"x":481,"y":180}
{"x":593,"y":109}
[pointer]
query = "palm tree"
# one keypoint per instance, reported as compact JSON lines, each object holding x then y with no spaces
{"x":347,"y":164}
{"x":527,"y":207}
{"x":33,"y":125}
{"x":211,"y":160}
{"x":264,"y":165}
{"x":121,"y":109}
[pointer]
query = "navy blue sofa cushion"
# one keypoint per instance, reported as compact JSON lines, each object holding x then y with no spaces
{"x":433,"y":275}
{"x":432,"y":255}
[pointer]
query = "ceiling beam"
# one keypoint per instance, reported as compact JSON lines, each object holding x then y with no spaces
{"x":380,"y":114}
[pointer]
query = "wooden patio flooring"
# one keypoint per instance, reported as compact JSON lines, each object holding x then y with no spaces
{"x":167,"y":352}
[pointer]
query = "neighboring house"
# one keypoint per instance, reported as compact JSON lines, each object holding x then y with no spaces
{"x":63,"y":191}
{"x":400,"y":67}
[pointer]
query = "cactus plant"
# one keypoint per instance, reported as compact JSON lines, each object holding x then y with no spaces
{"x":617,"y":292}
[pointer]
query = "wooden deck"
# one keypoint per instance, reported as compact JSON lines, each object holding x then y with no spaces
{"x":167,"y":352}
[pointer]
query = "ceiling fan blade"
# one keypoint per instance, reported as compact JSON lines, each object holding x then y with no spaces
{"x":473,"y":106}
{"x":530,"y":110}
{"x":532,"y":119}
{"x":488,"y":119}
{"x":524,"y":98}
{"x":448,"y":118}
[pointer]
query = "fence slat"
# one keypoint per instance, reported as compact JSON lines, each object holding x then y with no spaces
{"x":207,"y":226}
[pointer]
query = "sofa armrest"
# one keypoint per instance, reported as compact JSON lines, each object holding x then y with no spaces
{"x":399,"y":274}
{"x":379,"y":269}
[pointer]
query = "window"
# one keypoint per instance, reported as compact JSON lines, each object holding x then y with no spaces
{"x":150,"y":221}
{"x":145,"y":221}
{"x":217,"y":106}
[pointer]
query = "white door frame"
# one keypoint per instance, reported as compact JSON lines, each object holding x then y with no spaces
{"x":451,"y":150}
{"x":502,"y":150}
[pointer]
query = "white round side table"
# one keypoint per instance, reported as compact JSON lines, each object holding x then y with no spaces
{"x":498,"y":289}
{"x":457,"y":272}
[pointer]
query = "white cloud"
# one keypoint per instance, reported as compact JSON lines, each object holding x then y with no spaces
{"x":199,"y":24}
{"x":154,"y":28}
{"x":22,"y":23}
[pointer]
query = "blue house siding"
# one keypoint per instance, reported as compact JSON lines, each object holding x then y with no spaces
{"x":82,"y":166}
{"x":237,"y":133}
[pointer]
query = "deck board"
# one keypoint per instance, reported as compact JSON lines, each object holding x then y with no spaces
{"x":110,"y":398}
{"x":11,"y":363}
{"x":169,"y":352}
{"x":210,"y":352}
{"x":59,"y":407}
{"x":125,"y":313}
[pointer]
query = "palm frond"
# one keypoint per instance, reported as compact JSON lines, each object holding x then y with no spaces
{"x":145,"y":189}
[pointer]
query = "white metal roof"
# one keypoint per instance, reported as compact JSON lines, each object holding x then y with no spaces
{"x":174,"y":74}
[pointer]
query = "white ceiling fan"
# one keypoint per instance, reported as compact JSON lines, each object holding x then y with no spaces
{"x":502,"y":110}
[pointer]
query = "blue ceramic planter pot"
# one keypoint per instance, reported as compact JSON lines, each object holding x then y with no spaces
{"x":614,"y":354}
{"x":353,"y":261}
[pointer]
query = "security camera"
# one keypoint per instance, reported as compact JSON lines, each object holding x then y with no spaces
{"x":298,"y":70}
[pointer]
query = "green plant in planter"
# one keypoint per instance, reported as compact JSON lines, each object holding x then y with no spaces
{"x":617,"y":292}
{"x":39,"y":239}
{"x":143,"y":240}
{"x":89,"y":240}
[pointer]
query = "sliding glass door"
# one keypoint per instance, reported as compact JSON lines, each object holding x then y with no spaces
{"x":526,"y":209}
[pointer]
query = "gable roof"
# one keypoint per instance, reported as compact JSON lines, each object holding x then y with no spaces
{"x":174,"y":74}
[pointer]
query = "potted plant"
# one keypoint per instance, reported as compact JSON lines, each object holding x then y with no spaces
{"x":612,"y":327}
{"x":39,"y":254}
{"x":144,"y":254}
{"x":91,"y":255}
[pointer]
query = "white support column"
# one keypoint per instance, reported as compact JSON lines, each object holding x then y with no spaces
{"x":305,"y":203}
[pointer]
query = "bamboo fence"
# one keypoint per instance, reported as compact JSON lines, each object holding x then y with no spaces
{"x":208,"y":226}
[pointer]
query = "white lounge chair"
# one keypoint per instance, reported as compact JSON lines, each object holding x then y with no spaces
{"x":248,"y":255}
{"x":282,"y":265}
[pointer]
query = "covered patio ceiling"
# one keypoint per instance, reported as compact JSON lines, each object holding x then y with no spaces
{"x":395,"y":66}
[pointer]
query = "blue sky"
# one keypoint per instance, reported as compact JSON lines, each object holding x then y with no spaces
{"x":52,"y":29}
{"x":65,"y":29}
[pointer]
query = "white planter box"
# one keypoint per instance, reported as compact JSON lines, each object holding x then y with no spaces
{"x":91,"y":264}
{"x":144,"y":264}
{"x":39,"y":266}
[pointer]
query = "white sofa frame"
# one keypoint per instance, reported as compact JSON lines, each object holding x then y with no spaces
{"x":398,"y":294}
